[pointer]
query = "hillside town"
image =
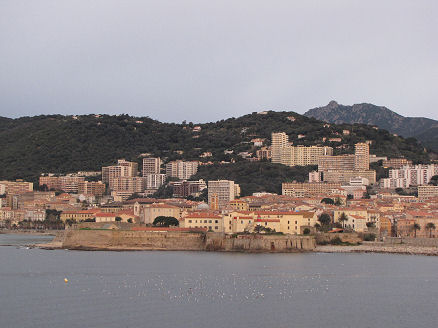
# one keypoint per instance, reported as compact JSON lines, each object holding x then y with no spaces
{"x":342,"y":195}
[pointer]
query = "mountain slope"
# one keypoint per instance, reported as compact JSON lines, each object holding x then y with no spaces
{"x":62,"y":144}
{"x":419,"y":127}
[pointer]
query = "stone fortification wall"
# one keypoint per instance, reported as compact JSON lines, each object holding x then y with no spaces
{"x":147,"y":240}
{"x":262,"y":243}
{"x":124,"y":239}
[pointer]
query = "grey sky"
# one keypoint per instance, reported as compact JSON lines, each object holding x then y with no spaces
{"x":208,"y":60}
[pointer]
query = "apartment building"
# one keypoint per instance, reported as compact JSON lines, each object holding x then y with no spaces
{"x":221,"y":192}
{"x":279,"y":141}
{"x":151,"y":165}
{"x":96,"y":188}
{"x":67,"y":183}
{"x":154,"y":181}
{"x":308,"y":189}
{"x":16,"y":187}
{"x":396,"y":163}
{"x":341,"y":162}
{"x":185,"y":188}
{"x":122,"y":169}
{"x":427,"y":191}
{"x":264,"y":153}
{"x":409,"y":175}
{"x":128,"y":184}
{"x":181,"y":169}
{"x":362,"y":156}
{"x":284,"y":153}
{"x":344,"y":176}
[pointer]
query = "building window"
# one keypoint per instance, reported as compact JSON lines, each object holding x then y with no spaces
{"x":216,"y":221}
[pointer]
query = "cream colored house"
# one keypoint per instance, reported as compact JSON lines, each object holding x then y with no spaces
{"x":205,"y":220}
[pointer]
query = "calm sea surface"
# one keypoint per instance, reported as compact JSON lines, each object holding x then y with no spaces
{"x":198,"y":289}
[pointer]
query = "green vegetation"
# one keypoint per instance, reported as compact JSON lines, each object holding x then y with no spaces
{"x":62,"y":144}
{"x":416,"y":227}
{"x":369,"y":237}
{"x":254,"y":176}
{"x":325,"y":219}
{"x":327,"y":201}
{"x":430,"y":226}
{"x":165,"y":221}
{"x":434,"y":180}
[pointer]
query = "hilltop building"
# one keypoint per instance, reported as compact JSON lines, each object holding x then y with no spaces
{"x":284,"y":153}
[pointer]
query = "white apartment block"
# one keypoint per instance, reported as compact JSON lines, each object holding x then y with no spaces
{"x":154,"y":181}
{"x":411,"y":175}
{"x":181,"y":169}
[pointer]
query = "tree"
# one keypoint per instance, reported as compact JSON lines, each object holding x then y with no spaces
{"x":434,"y":180}
{"x":118,"y":219}
{"x":306,"y":231}
{"x":430,"y":226}
{"x":343,"y":218}
{"x":165,"y":221}
{"x":416,"y":227}
{"x":328,"y":201}
{"x":130,"y":220}
{"x":325,"y":219}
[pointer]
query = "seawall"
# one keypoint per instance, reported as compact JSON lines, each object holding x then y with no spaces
{"x":187,"y":241}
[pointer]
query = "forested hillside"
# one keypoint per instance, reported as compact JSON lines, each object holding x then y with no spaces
{"x":55,"y":143}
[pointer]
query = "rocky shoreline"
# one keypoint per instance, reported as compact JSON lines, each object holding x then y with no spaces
{"x":389,"y":249}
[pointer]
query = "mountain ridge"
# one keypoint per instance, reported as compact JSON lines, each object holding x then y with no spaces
{"x":419,"y":127}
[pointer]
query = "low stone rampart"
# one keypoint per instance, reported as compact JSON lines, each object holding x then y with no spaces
{"x":193,"y":241}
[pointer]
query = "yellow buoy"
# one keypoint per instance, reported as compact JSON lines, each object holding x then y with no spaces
{"x":65,"y":280}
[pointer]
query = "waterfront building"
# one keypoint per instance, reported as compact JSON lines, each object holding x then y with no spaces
{"x":207,"y":220}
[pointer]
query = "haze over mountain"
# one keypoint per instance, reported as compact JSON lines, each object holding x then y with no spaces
{"x":424,"y":129}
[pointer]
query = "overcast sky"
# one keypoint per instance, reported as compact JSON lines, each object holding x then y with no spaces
{"x":207,"y":60}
